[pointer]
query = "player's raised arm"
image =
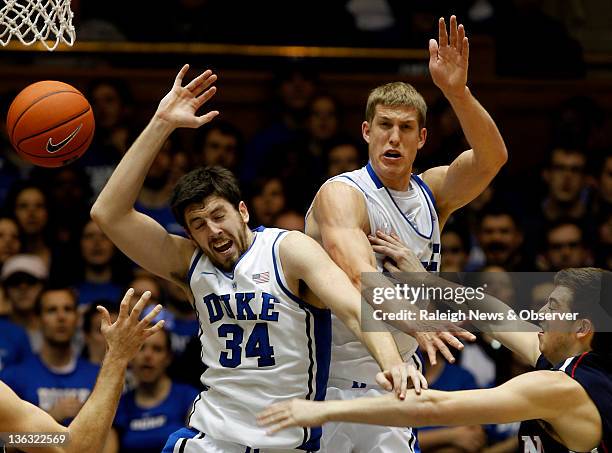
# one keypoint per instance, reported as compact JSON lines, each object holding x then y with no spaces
{"x":88,"y":431}
{"x":137,"y":235}
{"x":518,"y":335}
{"x":546,"y":395}
{"x":474,"y":169}
{"x":303,"y":259}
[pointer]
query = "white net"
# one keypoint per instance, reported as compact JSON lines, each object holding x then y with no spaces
{"x":47,"y":21}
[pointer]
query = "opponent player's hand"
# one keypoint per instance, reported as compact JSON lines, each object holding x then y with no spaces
{"x":179,"y":106}
{"x":126,"y":335}
{"x":399,"y":377}
{"x":291,"y":413}
{"x":448,"y":58}
{"x":402,"y":258}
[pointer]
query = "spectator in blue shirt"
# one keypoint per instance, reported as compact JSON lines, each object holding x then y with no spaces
{"x":158,"y":406}
{"x":56,"y":380}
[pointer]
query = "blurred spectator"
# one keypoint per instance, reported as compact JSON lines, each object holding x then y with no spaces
{"x":268,"y":201}
{"x":294,"y":87}
{"x":516,"y":54}
{"x":111,"y":101}
{"x":603,"y":202}
{"x":56,"y":380}
{"x":603,"y":253}
{"x":145,"y":281}
{"x":455,"y":248}
{"x":219,"y":143}
{"x":290,"y":220}
{"x":157,"y":406}
{"x":565,"y":177}
{"x":343,"y":156}
{"x":459,"y":439}
{"x":97,"y":279}
{"x":565,"y":246}
{"x":10,"y":244}
{"x":14,"y":343}
{"x":23,"y":278}
{"x":500,"y":237}
{"x":184,"y":325}
{"x":95,"y":344}
{"x":154,"y":197}
{"x":579,"y":122}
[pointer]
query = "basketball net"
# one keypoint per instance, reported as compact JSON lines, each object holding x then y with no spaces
{"x":47,"y":21}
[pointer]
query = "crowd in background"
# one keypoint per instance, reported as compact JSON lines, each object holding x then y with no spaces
{"x":56,"y":265}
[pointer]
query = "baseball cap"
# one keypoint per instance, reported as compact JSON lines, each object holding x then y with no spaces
{"x":27,"y":264}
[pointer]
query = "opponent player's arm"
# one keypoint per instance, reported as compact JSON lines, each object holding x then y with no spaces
{"x":545,"y":395}
{"x":517,"y":335}
{"x":473,"y":170}
{"x":89,"y":430}
{"x":137,"y":235}
{"x":342,"y":219}
{"x":303,"y":259}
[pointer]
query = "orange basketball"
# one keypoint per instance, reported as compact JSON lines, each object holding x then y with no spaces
{"x":50,"y":123}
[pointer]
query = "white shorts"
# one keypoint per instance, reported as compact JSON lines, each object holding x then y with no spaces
{"x":189,"y":440}
{"x":358,"y":438}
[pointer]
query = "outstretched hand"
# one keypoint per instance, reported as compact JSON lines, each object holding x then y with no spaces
{"x":448,"y":58}
{"x":399,"y":379}
{"x":180,"y":105}
{"x":126,"y":335}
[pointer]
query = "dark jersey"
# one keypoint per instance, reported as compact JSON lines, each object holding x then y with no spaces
{"x":594,"y":374}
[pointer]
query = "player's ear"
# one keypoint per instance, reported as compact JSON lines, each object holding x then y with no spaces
{"x":584,"y":327}
{"x":422,"y":137}
{"x":365,"y":131}
{"x":244,"y":212}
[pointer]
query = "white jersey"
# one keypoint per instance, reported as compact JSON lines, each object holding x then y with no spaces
{"x":261,"y":344}
{"x":412,"y":216}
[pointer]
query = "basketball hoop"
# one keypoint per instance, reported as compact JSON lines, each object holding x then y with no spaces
{"x":47,"y":21}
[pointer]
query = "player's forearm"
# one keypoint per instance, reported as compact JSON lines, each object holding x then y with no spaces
{"x":383,"y":349}
{"x":122,"y":189}
{"x":480,"y":131}
{"x":90,"y":428}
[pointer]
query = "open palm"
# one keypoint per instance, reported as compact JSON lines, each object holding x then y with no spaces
{"x":180,"y":105}
{"x":448,"y":58}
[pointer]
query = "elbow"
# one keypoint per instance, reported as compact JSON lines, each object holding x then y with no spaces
{"x":97,"y":214}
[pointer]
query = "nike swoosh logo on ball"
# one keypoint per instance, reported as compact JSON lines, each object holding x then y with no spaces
{"x":53,"y":148}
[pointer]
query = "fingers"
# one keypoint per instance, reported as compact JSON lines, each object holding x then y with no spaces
{"x":431,"y":352}
{"x":201,"y":82}
{"x":151,"y":316}
{"x":387,"y":251}
{"x":451,"y":340}
{"x":390,"y":267}
{"x":140,"y":305}
{"x":439,"y":344}
{"x":125,"y":304}
{"x":156,"y":328}
{"x":442,"y":35}
{"x":178,"y":80}
{"x":205,"y":97}
{"x":106,"y":321}
{"x":383,"y":381}
{"x":404,"y":374}
{"x":465,"y":335}
{"x":465,"y":49}
{"x":424,"y":384}
{"x":453,"y":31}
{"x":433,"y":51}
{"x":415,"y":377}
{"x":208,"y":117}
{"x":460,"y":36}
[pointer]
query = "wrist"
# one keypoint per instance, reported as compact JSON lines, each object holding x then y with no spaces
{"x":162,"y":124}
{"x":116,"y":358}
{"x":459,"y":95}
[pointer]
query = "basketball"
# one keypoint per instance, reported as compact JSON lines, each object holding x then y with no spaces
{"x":50,"y":123}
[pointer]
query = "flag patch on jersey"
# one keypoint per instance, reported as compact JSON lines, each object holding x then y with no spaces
{"x":262,"y":277}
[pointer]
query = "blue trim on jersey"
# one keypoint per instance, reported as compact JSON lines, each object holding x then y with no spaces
{"x":426,"y":188}
{"x":322,"y":340}
{"x":409,"y":222}
{"x":193,"y":266}
{"x":182,"y":435}
{"x":377,"y":182}
{"x":259,"y":229}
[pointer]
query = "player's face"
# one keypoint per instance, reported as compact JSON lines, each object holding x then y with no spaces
{"x":58,"y":317}
{"x":151,"y":362}
{"x":393,"y":138}
{"x":219,"y":229}
{"x":557,"y":337}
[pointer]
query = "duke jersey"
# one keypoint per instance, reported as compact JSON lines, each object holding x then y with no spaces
{"x":594,"y":373}
{"x":261,"y":345}
{"x":412,"y":216}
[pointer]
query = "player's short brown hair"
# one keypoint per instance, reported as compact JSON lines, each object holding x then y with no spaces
{"x":396,"y":94}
